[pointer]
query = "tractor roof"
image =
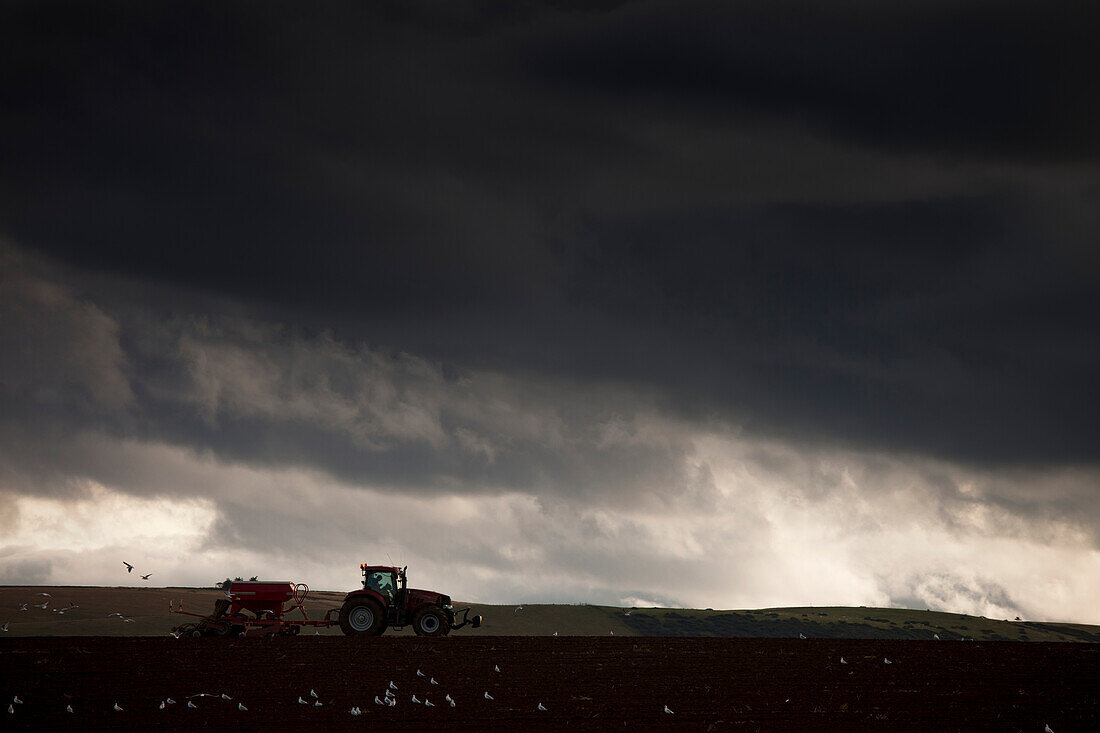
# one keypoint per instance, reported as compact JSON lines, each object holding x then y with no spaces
{"x":383,"y":568}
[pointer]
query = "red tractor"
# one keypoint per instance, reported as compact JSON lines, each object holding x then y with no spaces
{"x":386,"y":601}
{"x":261,"y":608}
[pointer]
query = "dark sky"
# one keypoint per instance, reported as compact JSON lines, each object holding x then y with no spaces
{"x":866,"y":227}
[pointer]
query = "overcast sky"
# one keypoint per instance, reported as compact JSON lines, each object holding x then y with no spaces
{"x":730,"y":304}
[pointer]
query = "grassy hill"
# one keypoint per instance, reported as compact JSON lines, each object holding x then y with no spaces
{"x":147,"y":607}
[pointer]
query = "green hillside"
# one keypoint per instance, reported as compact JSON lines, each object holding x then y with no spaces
{"x":147,"y":611}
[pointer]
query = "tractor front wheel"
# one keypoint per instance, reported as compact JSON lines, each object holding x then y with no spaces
{"x":430,"y":621}
{"x":362,"y":618}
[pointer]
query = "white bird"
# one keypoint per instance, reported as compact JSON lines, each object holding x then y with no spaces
{"x":127,"y":621}
{"x":415,"y":700}
{"x":669,"y":711}
{"x":170,"y":701}
{"x":518,"y":609}
{"x":68,"y":708}
{"x":801,"y":635}
{"x":226,"y":697}
{"x":627,"y":613}
{"x":11,"y":709}
{"x":555,"y":633}
{"x":392,"y":685}
{"x":116,"y":613}
{"x":452,"y":703}
{"x":377,"y":701}
{"x":191,"y":704}
{"x":23,"y":607}
{"x":488,"y":696}
{"x":392,"y":702}
{"x":448,"y":698}
{"x":5,"y":626}
{"x":419,"y":673}
{"x":301,"y":701}
{"x":542,"y":707}
{"x":935,"y":636}
{"x":428,"y":703}
{"x":41,"y":605}
{"x":496,"y":668}
{"x":313,"y":693}
{"x":174,"y":634}
{"x":886,"y":661}
{"x":612,"y":633}
{"x":432,"y":681}
{"x":1047,"y":728}
{"x":842,"y":660}
{"x":118,"y":707}
{"x":47,"y":595}
{"x":355,"y":711}
{"x":389,"y":693}
{"x":162,"y":704}
{"x":241,"y":707}
{"x":317,"y":704}
{"x":16,"y":700}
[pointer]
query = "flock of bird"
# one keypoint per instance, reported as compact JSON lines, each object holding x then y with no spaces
{"x":388,"y":698}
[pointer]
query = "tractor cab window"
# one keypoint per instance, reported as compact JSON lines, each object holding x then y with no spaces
{"x":382,"y":583}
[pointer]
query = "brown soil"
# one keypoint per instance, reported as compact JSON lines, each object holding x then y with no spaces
{"x":584,"y":682}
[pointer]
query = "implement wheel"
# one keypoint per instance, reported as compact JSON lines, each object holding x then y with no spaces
{"x":430,"y":621}
{"x":362,"y":618}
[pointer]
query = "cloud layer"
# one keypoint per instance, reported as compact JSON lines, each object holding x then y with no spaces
{"x":688,"y":302}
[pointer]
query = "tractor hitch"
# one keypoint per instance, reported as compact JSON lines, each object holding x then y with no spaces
{"x":474,"y":622}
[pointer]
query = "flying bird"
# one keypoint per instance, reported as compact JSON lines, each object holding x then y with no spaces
{"x":23,"y":607}
{"x":41,"y":605}
{"x":252,"y":579}
{"x":47,"y":595}
{"x":129,"y":567}
{"x":669,"y":711}
{"x":145,"y":577}
{"x":241,"y":707}
{"x":488,"y":696}
{"x":518,"y":609}
{"x":542,"y":707}
{"x":627,"y":613}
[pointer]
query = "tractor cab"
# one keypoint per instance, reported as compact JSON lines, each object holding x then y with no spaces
{"x":389,"y":583}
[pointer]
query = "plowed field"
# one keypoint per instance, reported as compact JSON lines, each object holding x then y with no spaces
{"x":600,"y":683}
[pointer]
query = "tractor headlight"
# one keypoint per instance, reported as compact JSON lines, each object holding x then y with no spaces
{"x":445,"y":601}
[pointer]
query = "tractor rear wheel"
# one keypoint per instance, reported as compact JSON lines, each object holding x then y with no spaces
{"x":430,"y":621}
{"x":362,"y":617}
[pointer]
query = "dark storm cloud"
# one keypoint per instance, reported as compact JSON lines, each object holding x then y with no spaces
{"x":863,"y":223}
